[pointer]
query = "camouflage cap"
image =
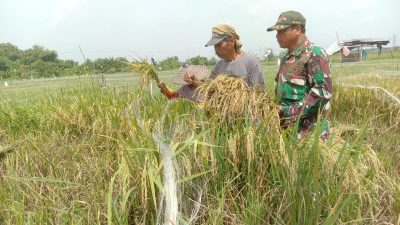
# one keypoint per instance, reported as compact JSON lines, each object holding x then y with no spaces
{"x":287,"y":19}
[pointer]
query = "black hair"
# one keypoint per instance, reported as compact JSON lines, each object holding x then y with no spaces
{"x":303,"y":29}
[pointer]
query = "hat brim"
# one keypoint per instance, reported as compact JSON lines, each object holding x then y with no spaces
{"x":214,"y":40}
{"x":277,"y":27}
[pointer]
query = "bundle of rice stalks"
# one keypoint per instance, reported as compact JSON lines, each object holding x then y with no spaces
{"x":146,"y":72}
{"x":230,"y":98}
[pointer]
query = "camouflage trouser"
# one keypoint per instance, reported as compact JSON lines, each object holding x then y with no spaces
{"x":308,"y":124}
{"x":325,"y":125}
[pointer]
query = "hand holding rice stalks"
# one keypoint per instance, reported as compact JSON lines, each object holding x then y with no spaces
{"x":231,"y":98}
{"x":146,"y":72}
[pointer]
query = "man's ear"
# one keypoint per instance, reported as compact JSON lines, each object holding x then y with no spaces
{"x":298,"y":29}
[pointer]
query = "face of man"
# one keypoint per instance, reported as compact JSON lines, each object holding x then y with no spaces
{"x":224,"y":48}
{"x":288,"y":37}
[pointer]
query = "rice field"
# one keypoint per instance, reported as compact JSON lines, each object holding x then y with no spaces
{"x":98,"y":149}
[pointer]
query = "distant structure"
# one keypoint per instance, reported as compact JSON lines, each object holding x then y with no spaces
{"x":360,"y":44}
{"x":267,"y":53}
{"x":6,"y":84}
{"x":354,"y":50}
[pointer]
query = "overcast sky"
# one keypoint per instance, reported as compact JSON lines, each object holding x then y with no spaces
{"x":158,"y":28}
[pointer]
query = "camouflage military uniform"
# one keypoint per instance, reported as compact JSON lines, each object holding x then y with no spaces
{"x":304,"y":88}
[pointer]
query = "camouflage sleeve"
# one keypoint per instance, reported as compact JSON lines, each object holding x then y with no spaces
{"x":320,"y":90}
{"x":320,"y":80}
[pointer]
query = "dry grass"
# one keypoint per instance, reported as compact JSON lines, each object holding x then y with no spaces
{"x":359,"y":171}
{"x":87,"y":156}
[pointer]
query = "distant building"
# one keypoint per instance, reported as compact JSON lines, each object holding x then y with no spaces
{"x":355,"y":50}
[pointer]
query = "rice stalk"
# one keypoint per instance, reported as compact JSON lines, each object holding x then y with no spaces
{"x":146,"y":72}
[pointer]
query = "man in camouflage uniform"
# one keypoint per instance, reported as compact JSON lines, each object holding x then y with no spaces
{"x":304,"y":83}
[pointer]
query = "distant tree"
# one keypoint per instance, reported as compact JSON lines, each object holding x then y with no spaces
{"x":38,"y":53}
{"x":5,"y":63}
{"x":198,"y":60}
{"x":40,"y":62}
{"x":170,"y":63}
{"x":212,"y":61}
{"x":10,"y":51}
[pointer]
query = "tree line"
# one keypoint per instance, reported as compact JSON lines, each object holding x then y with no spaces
{"x":38,"y":62}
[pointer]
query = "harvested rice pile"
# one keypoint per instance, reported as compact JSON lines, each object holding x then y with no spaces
{"x":231,"y":98}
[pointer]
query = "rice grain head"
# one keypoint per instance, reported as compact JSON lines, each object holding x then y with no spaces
{"x":230,"y":98}
{"x":146,"y":72}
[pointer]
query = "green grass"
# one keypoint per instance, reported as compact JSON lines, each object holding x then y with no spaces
{"x":81,"y":151}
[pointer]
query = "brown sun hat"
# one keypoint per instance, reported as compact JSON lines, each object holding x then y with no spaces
{"x":200,"y":72}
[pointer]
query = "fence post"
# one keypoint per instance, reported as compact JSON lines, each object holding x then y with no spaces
{"x":103,"y":81}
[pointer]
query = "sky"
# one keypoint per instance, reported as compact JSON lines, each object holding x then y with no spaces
{"x":155,"y":28}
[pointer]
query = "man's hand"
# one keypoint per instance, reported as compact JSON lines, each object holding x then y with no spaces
{"x":189,"y":78}
{"x":161,"y":84}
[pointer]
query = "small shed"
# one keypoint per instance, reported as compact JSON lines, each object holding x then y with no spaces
{"x":360,"y":45}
